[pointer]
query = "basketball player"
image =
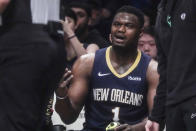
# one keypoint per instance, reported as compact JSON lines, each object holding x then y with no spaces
{"x":117,"y":83}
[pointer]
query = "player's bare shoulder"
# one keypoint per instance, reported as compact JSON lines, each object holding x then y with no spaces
{"x":84,"y":64}
{"x":152,"y":73}
{"x":153,"y":65}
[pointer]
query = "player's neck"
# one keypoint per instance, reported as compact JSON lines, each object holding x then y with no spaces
{"x":123,"y":56}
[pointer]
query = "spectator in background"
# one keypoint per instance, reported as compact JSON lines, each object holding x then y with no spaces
{"x":96,"y":8}
{"x":149,"y":7}
{"x":74,"y":48}
{"x":142,"y":4}
{"x":83,"y":13}
{"x":109,"y":7}
{"x":97,"y":20}
{"x":147,"y":42}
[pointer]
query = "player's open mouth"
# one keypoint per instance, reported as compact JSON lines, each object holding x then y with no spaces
{"x":119,"y":38}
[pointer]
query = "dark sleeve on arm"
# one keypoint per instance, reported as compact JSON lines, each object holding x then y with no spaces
{"x":158,"y":111}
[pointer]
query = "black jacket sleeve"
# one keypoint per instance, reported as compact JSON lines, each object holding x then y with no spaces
{"x":158,"y":112}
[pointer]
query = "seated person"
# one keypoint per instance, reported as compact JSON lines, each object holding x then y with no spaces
{"x":73,"y":46}
{"x":147,"y":43}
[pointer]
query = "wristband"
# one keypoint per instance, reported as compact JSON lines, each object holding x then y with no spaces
{"x":71,"y":37}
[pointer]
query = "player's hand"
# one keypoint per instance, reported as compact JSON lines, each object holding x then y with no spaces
{"x":125,"y":127}
{"x":64,"y":82}
{"x":151,"y":126}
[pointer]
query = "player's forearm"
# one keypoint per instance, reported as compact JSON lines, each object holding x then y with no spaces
{"x":3,"y":5}
{"x":66,"y":111}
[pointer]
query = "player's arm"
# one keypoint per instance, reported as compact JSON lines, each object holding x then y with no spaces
{"x":153,"y":81}
{"x":70,"y":107}
{"x":3,"y":5}
{"x":91,"y":48}
{"x":152,"y":77}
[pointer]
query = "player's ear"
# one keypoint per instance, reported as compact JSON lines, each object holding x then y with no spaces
{"x":141,"y":32}
{"x":110,"y":37}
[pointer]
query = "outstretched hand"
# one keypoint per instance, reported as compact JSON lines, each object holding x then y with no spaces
{"x":64,"y":82}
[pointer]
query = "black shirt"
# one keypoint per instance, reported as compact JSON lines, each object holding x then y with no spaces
{"x":31,"y":65}
{"x":176,"y":31}
{"x":17,"y":11}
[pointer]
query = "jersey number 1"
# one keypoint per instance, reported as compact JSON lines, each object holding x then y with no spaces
{"x":115,"y":111}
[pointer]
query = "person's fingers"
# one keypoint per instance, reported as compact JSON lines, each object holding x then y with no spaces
{"x":66,"y":20}
{"x":63,"y":84}
{"x":66,"y":82}
{"x":147,"y":128}
{"x":148,"y":125}
{"x":121,"y":127}
{"x":69,"y":78}
{"x":65,"y":75}
{"x":62,"y":89}
{"x":62,"y":22}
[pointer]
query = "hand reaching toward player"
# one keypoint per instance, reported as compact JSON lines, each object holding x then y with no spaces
{"x":62,"y":90}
